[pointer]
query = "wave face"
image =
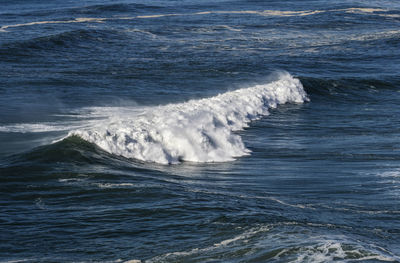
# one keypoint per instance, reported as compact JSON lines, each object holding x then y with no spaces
{"x":197,"y":130}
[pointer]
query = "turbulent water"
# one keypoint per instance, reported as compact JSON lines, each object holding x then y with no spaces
{"x":199,"y":131}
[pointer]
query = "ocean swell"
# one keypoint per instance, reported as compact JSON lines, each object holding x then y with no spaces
{"x":197,"y":130}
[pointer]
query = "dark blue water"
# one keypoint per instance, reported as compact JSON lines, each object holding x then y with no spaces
{"x":196,"y":131}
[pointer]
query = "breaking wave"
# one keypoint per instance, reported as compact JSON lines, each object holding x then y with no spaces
{"x":250,"y":246}
{"x":196,"y":131}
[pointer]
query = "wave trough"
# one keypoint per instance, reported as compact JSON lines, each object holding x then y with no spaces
{"x":197,"y":130}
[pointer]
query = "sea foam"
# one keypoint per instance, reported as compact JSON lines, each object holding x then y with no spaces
{"x":197,"y":130}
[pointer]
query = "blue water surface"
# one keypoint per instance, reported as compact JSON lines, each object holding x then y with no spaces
{"x":321,"y":182}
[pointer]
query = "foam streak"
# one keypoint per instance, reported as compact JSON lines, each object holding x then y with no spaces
{"x":277,"y":13}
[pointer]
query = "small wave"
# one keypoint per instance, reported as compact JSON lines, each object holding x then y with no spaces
{"x":346,"y":88}
{"x":240,"y":238}
{"x":197,"y":130}
{"x":272,"y":13}
{"x":60,"y":41}
{"x":113,"y":8}
{"x":16,"y":261}
{"x":37,"y":127}
{"x":75,"y":39}
{"x":263,"y":244}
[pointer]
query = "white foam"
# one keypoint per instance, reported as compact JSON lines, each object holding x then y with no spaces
{"x":76,"y":20}
{"x":114,"y":185}
{"x":391,"y":174}
{"x":230,"y":28}
{"x":363,"y":10}
{"x":332,"y":250}
{"x":197,"y":130}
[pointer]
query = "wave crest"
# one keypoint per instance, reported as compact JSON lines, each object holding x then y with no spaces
{"x":197,"y":130}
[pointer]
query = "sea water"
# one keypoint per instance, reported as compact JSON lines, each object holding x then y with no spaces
{"x":199,"y":131}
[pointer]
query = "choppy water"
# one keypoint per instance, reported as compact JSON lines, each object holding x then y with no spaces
{"x":195,"y":131}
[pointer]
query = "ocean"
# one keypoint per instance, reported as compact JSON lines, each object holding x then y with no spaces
{"x":199,"y":131}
